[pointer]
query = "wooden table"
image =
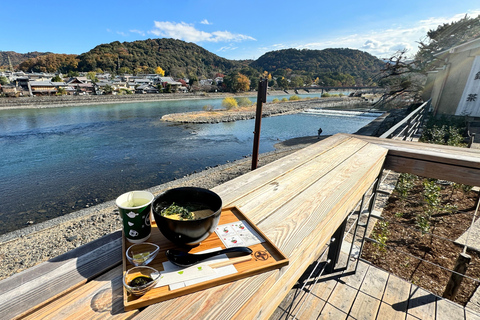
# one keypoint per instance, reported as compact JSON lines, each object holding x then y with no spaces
{"x":298,"y":202}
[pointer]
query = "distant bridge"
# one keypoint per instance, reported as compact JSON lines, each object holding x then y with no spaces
{"x":357,"y":89}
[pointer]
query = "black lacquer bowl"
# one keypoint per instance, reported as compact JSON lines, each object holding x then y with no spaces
{"x":187,"y":232}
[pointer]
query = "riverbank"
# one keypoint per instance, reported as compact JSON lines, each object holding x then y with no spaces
{"x":65,"y":101}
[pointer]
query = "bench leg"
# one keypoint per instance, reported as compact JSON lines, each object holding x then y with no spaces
{"x":335,"y":247}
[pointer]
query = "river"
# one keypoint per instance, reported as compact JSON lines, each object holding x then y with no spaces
{"x":58,"y":160}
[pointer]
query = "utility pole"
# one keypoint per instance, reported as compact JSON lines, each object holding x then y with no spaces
{"x":261,"y":98}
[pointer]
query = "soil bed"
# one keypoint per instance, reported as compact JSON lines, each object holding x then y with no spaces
{"x":403,"y":235}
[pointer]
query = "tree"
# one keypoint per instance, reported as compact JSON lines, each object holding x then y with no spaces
{"x":403,"y":75}
{"x":160,"y":71}
{"x":4,"y":80}
{"x":92,"y":76}
{"x":282,"y":82}
{"x":61,"y":91}
{"x":108,"y":89}
{"x":243,"y":83}
{"x":56,"y":78}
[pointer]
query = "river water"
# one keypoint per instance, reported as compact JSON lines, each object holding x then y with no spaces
{"x":58,"y":160}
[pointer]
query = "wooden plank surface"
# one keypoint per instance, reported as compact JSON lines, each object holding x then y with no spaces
{"x":374,"y":282}
{"x":57,"y":276}
{"x":298,"y":203}
{"x":421,"y":304}
{"x":365,"y":307}
{"x":99,"y":299}
{"x":460,"y":165}
{"x":447,"y":310}
{"x":465,"y":157}
{"x":292,"y":230}
{"x":397,"y":292}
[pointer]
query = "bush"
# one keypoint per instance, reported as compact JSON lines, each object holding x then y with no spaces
{"x":294,"y":97}
{"x":326,"y":95}
{"x":275,"y":100}
{"x":207,"y":107}
{"x":244,"y":101}
{"x":229,"y":103}
{"x":284,"y":99}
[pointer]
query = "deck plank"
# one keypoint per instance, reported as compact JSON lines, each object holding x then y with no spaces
{"x":421,"y":303}
{"x":386,"y":311}
{"x":447,"y":310}
{"x":330,"y":312}
{"x":342,"y":296}
{"x":365,"y":307}
{"x":374,"y":282}
{"x":53,"y":278}
{"x":355,"y":280}
{"x":397,"y":292}
{"x":102,"y":298}
{"x":257,"y":178}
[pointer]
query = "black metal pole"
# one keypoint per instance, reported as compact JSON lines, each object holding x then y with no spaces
{"x":261,"y":98}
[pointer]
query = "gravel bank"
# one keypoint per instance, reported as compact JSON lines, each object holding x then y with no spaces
{"x":268,"y":110}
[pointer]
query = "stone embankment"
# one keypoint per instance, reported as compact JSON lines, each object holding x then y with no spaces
{"x":269,"y":109}
{"x":61,"y":101}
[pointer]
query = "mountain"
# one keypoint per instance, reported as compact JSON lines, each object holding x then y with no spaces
{"x":178,"y":58}
{"x":316,"y":63}
{"x":17,"y":58}
{"x":182,"y":59}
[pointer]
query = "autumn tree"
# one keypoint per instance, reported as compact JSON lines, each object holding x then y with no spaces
{"x":243,"y":83}
{"x":160,"y":71}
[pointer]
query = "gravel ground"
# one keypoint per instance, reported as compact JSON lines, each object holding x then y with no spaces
{"x":30,"y":246}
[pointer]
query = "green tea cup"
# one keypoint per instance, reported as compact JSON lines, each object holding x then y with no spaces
{"x":135,"y":209}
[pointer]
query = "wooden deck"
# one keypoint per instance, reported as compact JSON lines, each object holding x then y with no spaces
{"x":298,"y":202}
{"x":369,"y":293}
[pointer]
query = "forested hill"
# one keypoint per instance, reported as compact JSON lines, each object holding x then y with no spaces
{"x":182,"y":59}
{"x":17,"y":58}
{"x":176,"y":57}
{"x":356,"y":63}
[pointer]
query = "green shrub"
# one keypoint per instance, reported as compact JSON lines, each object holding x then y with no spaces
{"x":275,"y":100}
{"x":284,"y":99}
{"x":208,"y":107}
{"x":294,"y":98}
{"x":244,"y":101}
{"x":405,"y":183}
{"x":229,"y":103}
{"x":326,"y":95}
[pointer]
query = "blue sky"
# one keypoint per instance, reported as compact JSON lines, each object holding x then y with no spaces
{"x":231,"y":29}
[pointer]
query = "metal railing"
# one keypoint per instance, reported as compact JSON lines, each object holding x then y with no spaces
{"x":410,"y":125}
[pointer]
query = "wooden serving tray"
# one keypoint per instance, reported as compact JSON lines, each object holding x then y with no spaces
{"x":266,"y":256}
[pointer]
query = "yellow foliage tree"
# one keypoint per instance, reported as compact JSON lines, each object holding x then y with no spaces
{"x":243,"y":83}
{"x":160,"y":71}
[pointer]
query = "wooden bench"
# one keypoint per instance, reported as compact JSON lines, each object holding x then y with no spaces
{"x":298,"y":202}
